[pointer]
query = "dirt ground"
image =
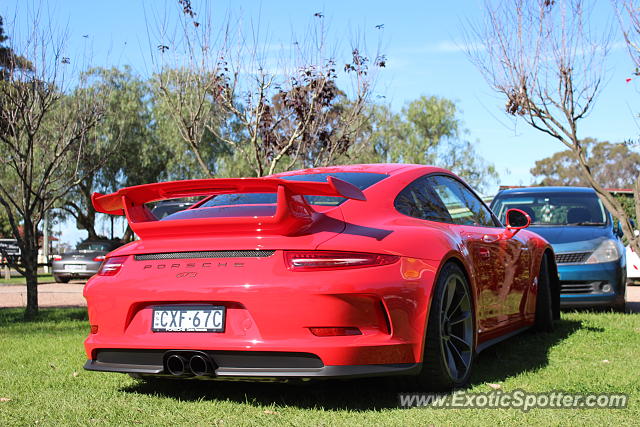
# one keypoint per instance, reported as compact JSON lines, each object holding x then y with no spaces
{"x":70,"y":295}
{"x":49,"y":295}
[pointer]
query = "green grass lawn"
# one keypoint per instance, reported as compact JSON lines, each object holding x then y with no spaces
{"x":20,"y":280}
{"x":41,"y":373}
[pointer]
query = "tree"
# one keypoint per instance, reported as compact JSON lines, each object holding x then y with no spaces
{"x":548,"y":63}
{"x":43,"y":135}
{"x":614,"y":165}
{"x":188,"y":120}
{"x":629,"y":17}
{"x":228,"y":96}
{"x":428,"y":130}
{"x":125,"y":138}
{"x":9,"y":60}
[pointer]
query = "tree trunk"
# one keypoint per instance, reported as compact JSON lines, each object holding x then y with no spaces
{"x":88,"y":218}
{"x":88,"y":223}
{"x":636,"y":197}
{"x":31,"y":276}
{"x":30,"y":261}
{"x":128,"y":235}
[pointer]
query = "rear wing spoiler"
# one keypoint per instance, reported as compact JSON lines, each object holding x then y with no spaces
{"x":292,"y":212}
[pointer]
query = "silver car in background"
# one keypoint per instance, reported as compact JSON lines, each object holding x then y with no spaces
{"x":84,"y":261}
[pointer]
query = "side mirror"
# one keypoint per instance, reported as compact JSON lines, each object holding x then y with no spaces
{"x":516,"y":221}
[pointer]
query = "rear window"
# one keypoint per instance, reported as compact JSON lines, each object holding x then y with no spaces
{"x":164,"y":209}
{"x":97,"y":246}
{"x":553,"y":208}
{"x":362,"y":180}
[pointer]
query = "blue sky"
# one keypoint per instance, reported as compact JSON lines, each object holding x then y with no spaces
{"x":421,"y":39}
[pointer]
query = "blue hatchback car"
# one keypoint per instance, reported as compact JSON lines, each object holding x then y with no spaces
{"x":589,"y":253}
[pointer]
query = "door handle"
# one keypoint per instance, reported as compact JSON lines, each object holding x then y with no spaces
{"x":484,"y":253}
{"x":488,"y":238}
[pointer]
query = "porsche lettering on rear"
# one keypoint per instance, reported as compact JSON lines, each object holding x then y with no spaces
{"x":193,"y":265}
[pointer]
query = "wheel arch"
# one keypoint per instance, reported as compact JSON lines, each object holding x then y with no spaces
{"x":554,"y":281}
{"x":455,"y":258}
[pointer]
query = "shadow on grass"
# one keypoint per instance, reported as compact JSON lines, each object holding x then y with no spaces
{"x":523,"y":353}
{"x":520,"y":354}
{"x":11,"y":316}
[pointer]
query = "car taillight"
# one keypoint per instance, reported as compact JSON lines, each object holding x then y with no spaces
{"x":332,"y":260}
{"x":57,"y":258}
{"x":111,"y":266}
{"x":99,"y":258}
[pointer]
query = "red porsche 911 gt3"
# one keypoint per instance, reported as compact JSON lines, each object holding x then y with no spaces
{"x":349,"y":271}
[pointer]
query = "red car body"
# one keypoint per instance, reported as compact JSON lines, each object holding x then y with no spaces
{"x":288,"y":314}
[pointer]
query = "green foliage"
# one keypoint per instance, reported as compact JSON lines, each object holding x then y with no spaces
{"x":128,"y":125}
{"x":5,"y":227}
{"x":122,"y":143}
{"x":142,"y":138}
{"x":627,"y":202}
{"x":9,"y":60}
{"x":613,"y":165}
{"x":429,"y":131}
{"x":429,"y":121}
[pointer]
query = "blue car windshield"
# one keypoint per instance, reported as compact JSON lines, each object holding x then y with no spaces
{"x":361,"y":180}
{"x":554,"y":208}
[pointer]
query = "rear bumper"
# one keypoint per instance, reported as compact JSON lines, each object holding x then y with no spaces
{"x":245,"y":365}
{"x":75,"y":275}
{"x":269,"y":312}
{"x":88,"y":268}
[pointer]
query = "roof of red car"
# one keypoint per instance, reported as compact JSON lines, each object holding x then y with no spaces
{"x":386,"y":168}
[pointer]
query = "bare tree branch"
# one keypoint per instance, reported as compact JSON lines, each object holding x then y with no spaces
{"x":544,"y":58}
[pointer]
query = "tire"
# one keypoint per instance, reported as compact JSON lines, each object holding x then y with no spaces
{"x":59,"y":279}
{"x":544,"y":305}
{"x":449,"y":348}
{"x":619,"y":307}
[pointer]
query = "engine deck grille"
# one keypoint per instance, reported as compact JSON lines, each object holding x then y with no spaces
{"x":572,"y":257}
{"x":205,"y":254}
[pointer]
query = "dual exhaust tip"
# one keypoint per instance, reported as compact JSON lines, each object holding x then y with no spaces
{"x":181,"y":365}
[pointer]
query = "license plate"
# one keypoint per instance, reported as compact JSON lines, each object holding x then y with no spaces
{"x":188,"y":319}
{"x":75,"y":267}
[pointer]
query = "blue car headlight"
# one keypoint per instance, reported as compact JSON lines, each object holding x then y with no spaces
{"x":607,"y":251}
